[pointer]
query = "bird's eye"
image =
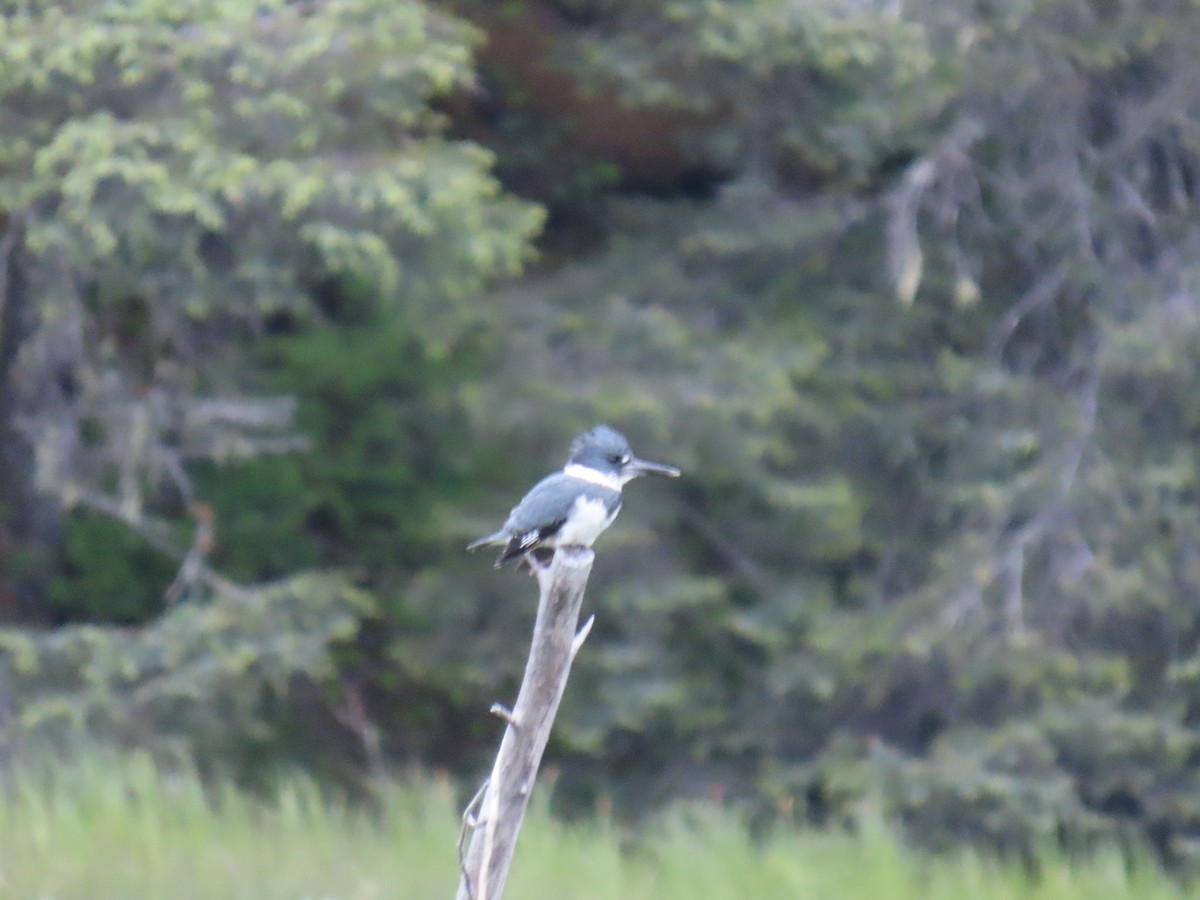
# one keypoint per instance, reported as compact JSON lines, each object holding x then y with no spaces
{"x":616,"y":459}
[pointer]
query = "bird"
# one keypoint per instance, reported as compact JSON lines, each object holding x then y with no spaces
{"x":572,"y":507}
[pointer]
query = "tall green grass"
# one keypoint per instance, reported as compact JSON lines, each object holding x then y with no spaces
{"x":106,"y":830}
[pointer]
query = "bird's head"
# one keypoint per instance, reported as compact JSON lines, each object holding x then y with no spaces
{"x":606,"y":450}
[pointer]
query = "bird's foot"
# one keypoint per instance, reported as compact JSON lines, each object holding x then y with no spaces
{"x":537,"y":560}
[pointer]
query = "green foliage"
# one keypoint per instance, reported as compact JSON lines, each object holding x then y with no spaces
{"x":183,"y":179}
{"x":122,"y":829}
{"x":387,"y":454}
{"x":923,"y":339}
{"x":124,"y":583}
{"x":212,"y":156}
{"x":862,"y":84}
{"x":927,"y":360}
{"x":201,"y":678}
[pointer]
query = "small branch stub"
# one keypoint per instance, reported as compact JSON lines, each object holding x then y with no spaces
{"x":556,"y":640}
{"x":581,"y":636}
{"x":503,"y":712}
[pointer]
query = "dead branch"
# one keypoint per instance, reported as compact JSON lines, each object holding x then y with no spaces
{"x":1011,"y":565}
{"x":352,"y":714}
{"x":8,"y":243}
{"x":905,"y":261}
{"x":1041,"y":295}
{"x":155,"y":532}
{"x":556,"y":640}
{"x":203,"y":543}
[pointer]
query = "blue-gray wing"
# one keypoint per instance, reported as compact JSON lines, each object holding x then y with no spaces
{"x":544,"y":508}
{"x":542,"y":513}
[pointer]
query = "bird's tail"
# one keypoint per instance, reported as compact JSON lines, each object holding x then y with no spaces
{"x":491,"y":540}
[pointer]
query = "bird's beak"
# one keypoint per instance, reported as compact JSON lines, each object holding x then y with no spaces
{"x":636,"y":467}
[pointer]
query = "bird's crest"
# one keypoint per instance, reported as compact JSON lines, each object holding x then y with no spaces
{"x":600,"y":441}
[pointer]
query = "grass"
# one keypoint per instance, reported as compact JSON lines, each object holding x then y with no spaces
{"x":105,"y":830}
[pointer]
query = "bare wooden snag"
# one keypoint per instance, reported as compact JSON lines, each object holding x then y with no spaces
{"x":494,"y":816}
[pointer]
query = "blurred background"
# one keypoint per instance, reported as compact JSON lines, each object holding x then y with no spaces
{"x":296,"y":298}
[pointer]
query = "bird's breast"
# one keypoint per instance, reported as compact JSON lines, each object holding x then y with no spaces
{"x":588,"y":517}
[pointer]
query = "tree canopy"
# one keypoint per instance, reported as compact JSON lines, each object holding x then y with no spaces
{"x":908,"y":291}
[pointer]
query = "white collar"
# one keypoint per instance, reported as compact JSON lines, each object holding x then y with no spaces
{"x":592,"y":476}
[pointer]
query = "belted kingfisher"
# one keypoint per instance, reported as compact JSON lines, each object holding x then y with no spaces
{"x":570,"y":508}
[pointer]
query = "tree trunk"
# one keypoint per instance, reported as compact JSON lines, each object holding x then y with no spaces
{"x":506,"y":794}
{"x":30,"y":521}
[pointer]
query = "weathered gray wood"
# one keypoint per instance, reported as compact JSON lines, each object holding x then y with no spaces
{"x":506,"y":796}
